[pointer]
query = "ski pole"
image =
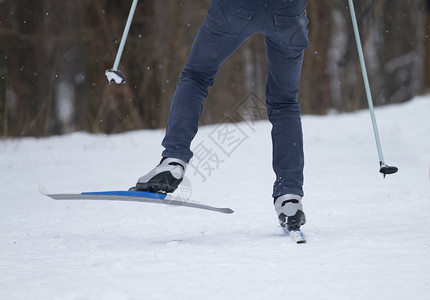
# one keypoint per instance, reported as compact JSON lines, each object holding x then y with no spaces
{"x":384,"y":169}
{"x":113,"y":74}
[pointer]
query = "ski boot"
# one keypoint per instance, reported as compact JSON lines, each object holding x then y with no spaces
{"x":290,"y":211}
{"x":164,"y":178}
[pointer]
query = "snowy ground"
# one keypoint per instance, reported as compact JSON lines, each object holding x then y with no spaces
{"x":368,"y":237}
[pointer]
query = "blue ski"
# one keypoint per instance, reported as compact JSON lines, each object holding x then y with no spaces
{"x":136,"y":196}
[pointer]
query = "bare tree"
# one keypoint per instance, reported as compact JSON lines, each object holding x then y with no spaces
{"x":53,"y":56}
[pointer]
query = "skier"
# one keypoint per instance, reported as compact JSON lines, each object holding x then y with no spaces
{"x":228,"y":24}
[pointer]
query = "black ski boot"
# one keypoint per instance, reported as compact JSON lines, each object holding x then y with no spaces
{"x":164,"y":178}
{"x":290,"y":213}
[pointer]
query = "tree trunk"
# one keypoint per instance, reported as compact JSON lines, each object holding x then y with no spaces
{"x":53,"y":56}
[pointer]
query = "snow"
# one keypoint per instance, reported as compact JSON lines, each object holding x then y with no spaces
{"x":368,"y":237}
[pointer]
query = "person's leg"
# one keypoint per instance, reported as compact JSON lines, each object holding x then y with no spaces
{"x":284,"y":51}
{"x":225,"y":27}
{"x":285,"y":45}
{"x":220,"y":35}
{"x":283,"y":111}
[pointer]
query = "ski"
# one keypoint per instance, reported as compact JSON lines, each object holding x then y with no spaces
{"x":296,"y":235}
{"x":136,"y":196}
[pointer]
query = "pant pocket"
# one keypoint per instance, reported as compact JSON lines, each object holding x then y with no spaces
{"x":292,"y":33}
{"x":225,"y":20}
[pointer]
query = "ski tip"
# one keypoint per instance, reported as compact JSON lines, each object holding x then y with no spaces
{"x":296,"y":235}
{"x":42,"y":190}
{"x":55,"y":196}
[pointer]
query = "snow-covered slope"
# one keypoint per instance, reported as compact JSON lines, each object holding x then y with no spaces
{"x":368,"y":237}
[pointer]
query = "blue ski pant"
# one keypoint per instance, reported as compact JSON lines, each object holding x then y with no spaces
{"x":227,"y":25}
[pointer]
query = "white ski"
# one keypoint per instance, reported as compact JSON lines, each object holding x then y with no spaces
{"x":296,"y":235}
{"x":138,"y":197}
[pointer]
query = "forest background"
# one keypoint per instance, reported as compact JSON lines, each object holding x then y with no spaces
{"x":53,"y":55}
